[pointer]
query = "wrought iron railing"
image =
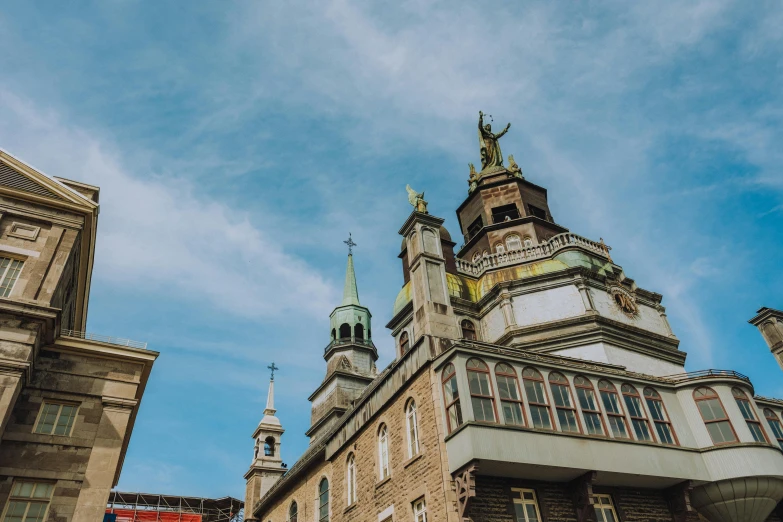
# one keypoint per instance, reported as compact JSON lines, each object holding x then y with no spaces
{"x":542,"y":250}
{"x":348,"y":340}
{"x":104,"y":339}
{"x":706,"y":374}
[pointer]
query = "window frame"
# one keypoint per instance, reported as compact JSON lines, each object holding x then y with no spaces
{"x":350,"y":479}
{"x":5,"y":269}
{"x":470,"y":328}
{"x":571,"y":404}
{"x":725,"y":413}
{"x":293,"y":512}
{"x":60,"y":404}
{"x":405,"y":343}
{"x":29,"y":500}
{"x":634,"y":418}
{"x":412,"y":421}
{"x":419,"y":515}
{"x":741,"y":397}
{"x":491,"y":397}
{"x":538,"y":405}
{"x":509,"y":237}
{"x":384,"y":467}
{"x":525,"y":502}
{"x":512,"y":374}
{"x":611,"y":506}
{"x":668,"y":420}
{"x":596,"y":399}
{"x":771,"y":416}
{"x":611,"y":390}
{"x":450,"y":372}
{"x":319,"y":502}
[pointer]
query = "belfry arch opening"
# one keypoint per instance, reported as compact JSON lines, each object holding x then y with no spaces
{"x":269,"y":447}
{"x":345,"y":331}
{"x":358,"y":331}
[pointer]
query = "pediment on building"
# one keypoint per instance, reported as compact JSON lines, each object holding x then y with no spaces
{"x":21,"y":180}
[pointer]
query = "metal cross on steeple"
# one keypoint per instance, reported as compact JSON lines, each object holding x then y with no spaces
{"x":273,"y":368}
{"x":350,"y":244}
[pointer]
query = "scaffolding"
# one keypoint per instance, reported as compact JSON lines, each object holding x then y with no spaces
{"x":148,"y":507}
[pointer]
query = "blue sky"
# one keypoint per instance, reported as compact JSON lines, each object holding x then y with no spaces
{"x":237,"y":143}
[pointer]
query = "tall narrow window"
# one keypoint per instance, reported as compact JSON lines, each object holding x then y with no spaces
{"x":404,"y":343}
{"x":420,"y":510}
{"x":480,"y":391}
{"x":350,"y":478}
{"x":663,"y":425}
{"x":525,"y":505}
{"x":9,"y":272}
{"x":510,"y":399}
{"x":56,"y":418}
{"x":412,"y":424}
{"x":604,"y":508}
{"x":513,"y":242}
{"x":714,"y":415}
{"x":749,"y":414}
{"x":293,"y":512}
{"x":594,"y":424}
{"x":614,"y":410}
{"x":774,"y":425}
{"x":468,"y":330}
{"x":451,"y":398}
{"x":383,"y":451}
{"x":564,"y":403}
{"x":635,"y":409}
{"x":536,"y":396}
{"x":323,"y":500}
{"x":28,"y":502}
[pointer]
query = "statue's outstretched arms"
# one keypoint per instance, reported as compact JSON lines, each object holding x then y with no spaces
{"x":501,"y":133}
{"x":481,"y":121}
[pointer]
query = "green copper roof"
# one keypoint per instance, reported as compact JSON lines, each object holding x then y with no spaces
{"x":350,"y":292}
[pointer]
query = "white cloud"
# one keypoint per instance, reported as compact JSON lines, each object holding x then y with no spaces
{"x":156,"y":234}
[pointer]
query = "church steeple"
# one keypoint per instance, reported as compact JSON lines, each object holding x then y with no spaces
{"x":350,"y":355}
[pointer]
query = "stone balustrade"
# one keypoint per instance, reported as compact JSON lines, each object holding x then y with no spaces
{"x":544,"y":250}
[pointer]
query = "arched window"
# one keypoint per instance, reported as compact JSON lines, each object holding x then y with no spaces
{"x":635,"y":409}
{"x":749,"y":415}
{"x":293,"y":512}
{"x":614,"y":409}
{"x":412,"y":425}
{"x":594,"y":424}
{"x":663,"y":425}
{"x":485,"y":253}
{"x":714,"y":416}
{"x":383,"y":451}
{"x":480,"y":391}
{"x":269,"y":447}
{"x":345,"y":331}
{"x":334,"y":334}
{"x":508,"y":391}
{"x":358,"y":331}
{"x":323,"y":500}
{"x":513,"y":242}
{"x":476,"y":257}
{"x":350,"y":478}
{"x":451,"y":398}
{"x":528,"y":242}
{"x":564,"y":404}
{"x":536,"y":396}
{"x":404,"y":343}
{"x":774,"y":425}
{"x":500,"y":248}
{"x":468,"y":330}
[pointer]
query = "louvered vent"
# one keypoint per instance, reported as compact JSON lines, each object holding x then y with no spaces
{"x":13,"y":179}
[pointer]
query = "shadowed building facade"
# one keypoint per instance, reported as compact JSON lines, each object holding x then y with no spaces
{"x":534,"y":380}
{"x":68,"y":400}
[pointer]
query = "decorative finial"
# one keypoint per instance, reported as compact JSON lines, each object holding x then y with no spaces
{"x":417,"y":200}
{"x":513,"y":167}
{"x":350,"y":244}
{"x":605,"y":248}
{"x":273,"y":368}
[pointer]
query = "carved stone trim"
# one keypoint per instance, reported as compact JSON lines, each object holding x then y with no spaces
{"x":624,"y":300}
{"x":679,"y":500}
{"x":465,"y":483}
{"x":581,"y":489}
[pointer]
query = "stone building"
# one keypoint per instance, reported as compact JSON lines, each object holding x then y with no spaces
{"x":534,"y":380}
{"x":68,"y":400}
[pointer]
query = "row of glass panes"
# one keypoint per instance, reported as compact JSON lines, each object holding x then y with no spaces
{"x":526,"y":507}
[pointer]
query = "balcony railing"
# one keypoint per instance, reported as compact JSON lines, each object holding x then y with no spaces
{"x":349,"y":340}
{"x":706,"y":374}
{"x":104,"y":339}
{"x":542,"y":250}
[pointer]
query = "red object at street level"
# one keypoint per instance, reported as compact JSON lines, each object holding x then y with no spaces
{"x":130,"y":515}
